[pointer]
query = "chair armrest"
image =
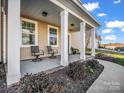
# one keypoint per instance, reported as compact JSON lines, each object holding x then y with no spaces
{"x":76,"y":49}
{"x":55,"y":50}
{"x":42,"y":52}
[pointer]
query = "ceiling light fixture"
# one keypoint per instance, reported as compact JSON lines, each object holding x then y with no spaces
{"x":72,"y":24}
{"x":44,"y":13}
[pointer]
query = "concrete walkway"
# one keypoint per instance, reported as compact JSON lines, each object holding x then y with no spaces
{"x":110,"y":81}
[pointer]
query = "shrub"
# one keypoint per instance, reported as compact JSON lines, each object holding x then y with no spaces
{"x":2,"y":71}
{"x":41,"y":83}
{"x":76,"y":71}
{"x":33,"y":83}
{"x":92,"y":63}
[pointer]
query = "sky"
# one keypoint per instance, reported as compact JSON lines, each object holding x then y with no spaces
{"x":110,"y":14}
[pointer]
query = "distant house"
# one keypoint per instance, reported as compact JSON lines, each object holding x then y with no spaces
{"x":113,"y":45}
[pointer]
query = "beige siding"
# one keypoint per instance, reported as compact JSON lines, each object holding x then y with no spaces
{"x":75,"y":40}
{"x":42,"y":41}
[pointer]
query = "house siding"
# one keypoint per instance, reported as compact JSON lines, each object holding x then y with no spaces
{"x":75,"y":40}
{"x":25,"y":52}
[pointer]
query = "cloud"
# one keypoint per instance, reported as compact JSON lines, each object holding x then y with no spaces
{"x":117,"y":1}
{"x":105,"y":31}
{"x":115,"y":24}
{"x":102,"y":14}
{"x":122,"y":29}
{"x":91,"y":6}
{"x":110,"y":37}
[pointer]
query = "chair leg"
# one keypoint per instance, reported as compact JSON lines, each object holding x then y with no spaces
{"x":53,"y":56}
{"x":36,"y":59}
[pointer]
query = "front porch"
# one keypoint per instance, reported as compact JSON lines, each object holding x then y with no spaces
{"x":45,"y":23}
{"x":46,"y":64}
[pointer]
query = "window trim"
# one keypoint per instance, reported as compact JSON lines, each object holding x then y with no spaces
{"x":50,"y":26}
{"x":36,"y":31}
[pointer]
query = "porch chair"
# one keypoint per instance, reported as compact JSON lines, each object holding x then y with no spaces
{"x":75,"y":50}
{"x":36,"y":52}
{"x":52,"y":51}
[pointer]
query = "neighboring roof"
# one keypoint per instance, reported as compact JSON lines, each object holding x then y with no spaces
{"x":114,"y":44}
{"x":80,"y":4}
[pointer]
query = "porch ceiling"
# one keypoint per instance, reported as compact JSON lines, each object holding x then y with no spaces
{"x":34,"y":8}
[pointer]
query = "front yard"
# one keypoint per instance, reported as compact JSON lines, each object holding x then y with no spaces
{"x":111,"y":56}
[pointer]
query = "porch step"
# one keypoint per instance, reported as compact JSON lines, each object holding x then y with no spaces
{"x":54,"y":69}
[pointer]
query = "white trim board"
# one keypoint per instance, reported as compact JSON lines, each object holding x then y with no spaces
{"x":48,"y":35}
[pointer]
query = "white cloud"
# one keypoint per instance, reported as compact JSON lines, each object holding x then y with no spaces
{"x":115,"y":24}
{"x":122,"y":29}
{"x":110,"y":37}
{"x":91,"y":6}
{"x":106,"y":31}
{"x":117,"y":1}
{"x":102,"y":14}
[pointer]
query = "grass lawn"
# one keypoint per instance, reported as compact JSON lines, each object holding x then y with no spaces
{"x":118,"y":57}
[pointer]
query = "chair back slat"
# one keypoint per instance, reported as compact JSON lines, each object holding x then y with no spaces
{"x":34,"y":49}
{"x":49,"y":48}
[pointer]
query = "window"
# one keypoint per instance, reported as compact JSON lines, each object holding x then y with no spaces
{"x":29,"y":35}
{"x":53,"y":36}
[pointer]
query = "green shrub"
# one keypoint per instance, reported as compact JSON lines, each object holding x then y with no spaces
{"x":88,"y":70}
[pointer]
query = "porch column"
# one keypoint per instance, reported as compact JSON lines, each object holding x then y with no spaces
{"x":13,"y":45}
{"x":93,"y":41}
{"x":0,"y":32}
{"x":82,"y":40}
{"x":4,"y":37}
{"x":64,"y":38}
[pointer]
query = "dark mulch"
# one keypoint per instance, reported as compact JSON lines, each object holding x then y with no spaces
{"x":76,"y":78}
{"x":2,"y":79}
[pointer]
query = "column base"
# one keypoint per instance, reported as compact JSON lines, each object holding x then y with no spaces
{"x":93,"y":55}
{"x":11,"y":79}
{"x":82,"y":59}
{"x":64,"y":63}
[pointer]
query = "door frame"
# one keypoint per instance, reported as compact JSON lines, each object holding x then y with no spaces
{"x":69,"y":43}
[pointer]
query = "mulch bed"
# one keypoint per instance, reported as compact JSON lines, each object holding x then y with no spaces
{"x":2,"y":79}
{"x":76,"y":78}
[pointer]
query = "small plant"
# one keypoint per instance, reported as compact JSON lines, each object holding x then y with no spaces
{"x":92,"y":63}
{"x":88,"y":70}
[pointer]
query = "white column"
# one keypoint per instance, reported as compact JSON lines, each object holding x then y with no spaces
{"x":13,"y":45}
{"x":0,"y":31}
{"x":64,"y":38}
{"x":82,"y":40}
{"x":93,"y":34}
{"x":4,"y":38}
